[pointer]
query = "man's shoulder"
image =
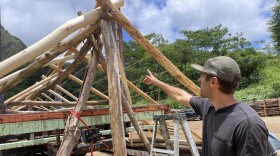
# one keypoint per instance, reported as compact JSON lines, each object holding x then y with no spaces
{"x":196,"y":99}
{"x":247,"y":110}
{"x":249,"y":115}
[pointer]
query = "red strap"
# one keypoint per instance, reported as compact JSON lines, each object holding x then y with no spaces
{"x":77,"y":115}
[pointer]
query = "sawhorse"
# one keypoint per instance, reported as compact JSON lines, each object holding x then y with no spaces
{"x":178,"y":119}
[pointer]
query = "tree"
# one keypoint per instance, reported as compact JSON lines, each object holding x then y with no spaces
{"x":274,"y":26}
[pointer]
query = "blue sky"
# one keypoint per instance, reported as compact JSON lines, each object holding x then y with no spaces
{"x":31,"y":20}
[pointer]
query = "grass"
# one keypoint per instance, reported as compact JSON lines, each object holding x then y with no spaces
{"x":268,"y":87}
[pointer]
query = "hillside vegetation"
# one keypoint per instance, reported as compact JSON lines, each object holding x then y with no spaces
{"x":10,"y":44}
{"x":268,"y":87}
{"x":260,"y":71}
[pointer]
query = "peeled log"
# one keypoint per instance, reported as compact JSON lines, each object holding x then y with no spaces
{"x":51,"y":40}
{"x":119,"y":146}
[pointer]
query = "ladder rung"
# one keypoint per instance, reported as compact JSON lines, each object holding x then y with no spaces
{"x":158,"y":150}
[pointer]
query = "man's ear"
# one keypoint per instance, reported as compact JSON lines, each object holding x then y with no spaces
{"x":214,"y":80}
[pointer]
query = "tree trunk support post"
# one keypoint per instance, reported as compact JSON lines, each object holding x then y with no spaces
{"x":114,"y":89}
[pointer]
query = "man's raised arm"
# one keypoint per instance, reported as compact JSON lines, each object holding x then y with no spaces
{"x":177,"y":94}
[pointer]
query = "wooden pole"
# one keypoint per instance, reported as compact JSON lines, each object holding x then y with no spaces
{"x":67,"y":72}
{"x":127,"y":107}
{"x":77,"y":80}
{"x":135,"y":123}
{"x":47,"y":57}
{"x":63,"y":90}
{"x":58,"y":95}
{"x":30,"y":88}
{"x":123,"y":78}
{"x":46,"y":96}
{"x":132,"y":86}
{"x":71,"y":132}
{"x":264,"y":108}
{"x":140,"y":92}
{"x":55,"y":103}
{"x":119,"y":145}
{"x":51,"y":40}
{"x":66,"y":92}
{"x":150,"y":48}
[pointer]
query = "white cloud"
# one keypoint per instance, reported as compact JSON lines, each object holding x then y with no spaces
{"x":247,"y":16}
{"x":31,"y":20}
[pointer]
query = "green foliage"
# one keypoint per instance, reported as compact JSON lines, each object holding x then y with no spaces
{"x":172,"y":104}
{"x":251,"y":64}
{"x":29,"y":81}
{"x":274,"y":26}
{"x":267,"y":87}
{"x":217,"y":40}
{"x":10,"y":45}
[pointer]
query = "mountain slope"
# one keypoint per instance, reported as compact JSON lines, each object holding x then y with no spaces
{"x":10,"y":44}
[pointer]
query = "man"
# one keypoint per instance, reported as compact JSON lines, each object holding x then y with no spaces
{"x":229,"y":127}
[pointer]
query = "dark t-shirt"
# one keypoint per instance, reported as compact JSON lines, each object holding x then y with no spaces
{"x":231,"y":131}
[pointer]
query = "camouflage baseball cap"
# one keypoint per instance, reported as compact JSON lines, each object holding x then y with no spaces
{"x":222,"y":66}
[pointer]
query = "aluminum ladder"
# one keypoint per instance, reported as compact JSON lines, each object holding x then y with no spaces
{"x":178,"y":119}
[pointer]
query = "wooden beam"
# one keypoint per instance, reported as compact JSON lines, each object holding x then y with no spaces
{"x":135,"y":123}
{"x":71,"y":132}
{"x":62,"y":59}
{"x":119,"y":145}
{"x":127,"y":107}
{"x":135,"y":88}
{"x":13,"y":118}
{"x":150,"y":48}
{"x":66,"y":92}
{"x":77,"y":80}
{"x":123,"y":78}
{"x":131,"y":85}
{"x":54,"y":103}
{"x":50,"y":106}
{"x":85,"y":48}
{"x":46,"y":96}
{"x":47,"y":57}
{"x":51,"y":40}
{"x":140,"y":92}
{"x":30,"y":88}
{"x":57,"y":95}
{"x":63,"y":90}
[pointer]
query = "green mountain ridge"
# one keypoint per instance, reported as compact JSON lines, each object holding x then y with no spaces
{"x":10,"y":44}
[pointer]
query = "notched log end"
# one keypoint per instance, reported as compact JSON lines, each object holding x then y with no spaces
{"x":47,"y":54}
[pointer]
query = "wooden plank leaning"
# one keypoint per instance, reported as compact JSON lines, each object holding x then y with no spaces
{"x":72,"y":132}
{"x":151,"y":49}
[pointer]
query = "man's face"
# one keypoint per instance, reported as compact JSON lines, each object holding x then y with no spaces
{"x":205,"y":90}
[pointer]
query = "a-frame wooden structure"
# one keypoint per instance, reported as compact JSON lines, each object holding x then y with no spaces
{"x":94,"y":31}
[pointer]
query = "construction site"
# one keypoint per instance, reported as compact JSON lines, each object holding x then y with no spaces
{"x":33,"y":123}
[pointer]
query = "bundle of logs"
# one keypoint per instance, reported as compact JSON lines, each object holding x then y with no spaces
{"x":267,"y":107}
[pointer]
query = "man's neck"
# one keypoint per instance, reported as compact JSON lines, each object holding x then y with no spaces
{"x":223,"y":100}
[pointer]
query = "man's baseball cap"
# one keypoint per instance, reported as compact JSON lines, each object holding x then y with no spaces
{"x":223,"y":67}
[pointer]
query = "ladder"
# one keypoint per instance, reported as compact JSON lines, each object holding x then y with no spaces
{"x":178,"y":119}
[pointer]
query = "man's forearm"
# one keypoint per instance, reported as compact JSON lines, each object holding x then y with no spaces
{"x":177,"y":94}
